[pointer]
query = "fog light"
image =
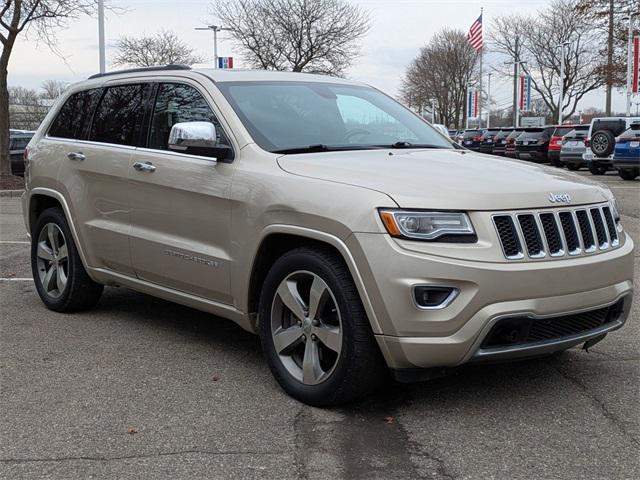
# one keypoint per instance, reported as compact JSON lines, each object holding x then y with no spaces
{"x":431,"y":297}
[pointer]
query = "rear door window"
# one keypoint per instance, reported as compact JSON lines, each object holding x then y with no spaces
{"x":74,"y":116}
{"x":119,"y":115}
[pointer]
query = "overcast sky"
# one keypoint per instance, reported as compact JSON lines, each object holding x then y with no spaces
{"x":399,"y":29}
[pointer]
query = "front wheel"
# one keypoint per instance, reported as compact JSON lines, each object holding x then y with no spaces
{"x":314,"y":331}
{"x":597,"y":168}
{"x":573,"y":167}
{"x":629,"y":173}
{"x":58,"y":273}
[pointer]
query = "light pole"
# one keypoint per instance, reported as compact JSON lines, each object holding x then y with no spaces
{"x":629,"y":59}
{"x":101,"y":35}
{"x":489,"y":100}
{"x":561,"y":99}
{"x":216,"y":29}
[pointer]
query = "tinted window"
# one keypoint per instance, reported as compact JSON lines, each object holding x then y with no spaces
{"x":560,"y":131}
{"x":119,"y":115}
{"x":177,"y":103}
{"x":19,"y":143}
{"x":471,"y":133}
{"x":74,"y":115}
{"x":615,"y":126}
{"x":631,"y":133}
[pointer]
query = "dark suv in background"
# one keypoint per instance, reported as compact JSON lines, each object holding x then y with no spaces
{"x":533,"y":144}
{"x":18,"y":141}
{"x":510,"y":142}
{"x":487,"y":140}
{"x":500,"y":141}
{"x":471,"y":139}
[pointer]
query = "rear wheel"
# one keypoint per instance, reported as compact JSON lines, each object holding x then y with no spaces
{"x":573,"y":167}
{"x":58,"y":273}
{"x":602,"y":143}
{"x":314,"y":331}
{"x":597,"y":168}
{"x":629,"y":173}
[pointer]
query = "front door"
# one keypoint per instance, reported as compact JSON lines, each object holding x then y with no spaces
{"x":180,"y":207}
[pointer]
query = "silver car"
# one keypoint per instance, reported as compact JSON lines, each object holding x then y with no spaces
{"x":574,"y":147}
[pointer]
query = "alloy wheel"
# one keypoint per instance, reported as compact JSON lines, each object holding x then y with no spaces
{"x":306,"y":327}
{"x":52,"y":260}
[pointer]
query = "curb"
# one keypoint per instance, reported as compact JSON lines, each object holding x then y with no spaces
{"x":11,"y":193}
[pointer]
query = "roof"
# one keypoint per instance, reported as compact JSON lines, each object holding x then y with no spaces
{"x":222,"y":75}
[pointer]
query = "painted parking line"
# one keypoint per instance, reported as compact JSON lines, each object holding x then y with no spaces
{"x":16,"y":279}
{"x":14,"y":242}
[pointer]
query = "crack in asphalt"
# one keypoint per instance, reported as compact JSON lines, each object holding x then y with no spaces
{"x":128,"y":457}
{"x":301,"y":419}
{"x":608,"y":414}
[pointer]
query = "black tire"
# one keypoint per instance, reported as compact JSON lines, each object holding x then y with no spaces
{"x":597,"y":169}
{"x":573,"y":167}
{"x":628,"y":173}
{"x":80,"y":292}
{"x":602,"y":143}
{"x":359,"y":368}
{"x":555,"y":162}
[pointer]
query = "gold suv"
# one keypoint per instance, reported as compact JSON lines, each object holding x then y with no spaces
{"x":322,"y":215}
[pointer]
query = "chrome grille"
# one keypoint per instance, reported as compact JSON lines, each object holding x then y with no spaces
{"x":556,"y":233}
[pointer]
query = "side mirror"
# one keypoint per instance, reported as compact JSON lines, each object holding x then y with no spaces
{"x":198,"y":138}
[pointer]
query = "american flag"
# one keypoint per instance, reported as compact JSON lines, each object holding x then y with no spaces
{"x":475,"y":34}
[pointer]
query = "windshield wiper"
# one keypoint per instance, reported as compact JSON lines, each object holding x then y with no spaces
{"x":321,"y":147}
{"x":402,"y":144}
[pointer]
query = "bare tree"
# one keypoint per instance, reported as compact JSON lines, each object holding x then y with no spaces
{"x":160,"y":49}
{"x":540,"y":38}
{"x":42,"y":19}
{"x":438,"y":77}
{"x":52,"y":89}
{"x":608,"y":16}
{"x":26,"y":109}
{"x":321,"y":36}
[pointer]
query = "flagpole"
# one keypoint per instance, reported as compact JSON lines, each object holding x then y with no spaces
{"x":481,"y":55}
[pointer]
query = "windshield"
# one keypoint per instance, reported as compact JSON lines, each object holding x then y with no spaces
{"x":283,"y":116}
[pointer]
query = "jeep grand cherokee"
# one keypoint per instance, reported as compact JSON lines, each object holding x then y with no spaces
{"x":322,"y":215}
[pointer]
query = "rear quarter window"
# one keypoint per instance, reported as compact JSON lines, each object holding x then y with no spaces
{"x":74,"y":116}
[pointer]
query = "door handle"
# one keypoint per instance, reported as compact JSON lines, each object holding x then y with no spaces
{"x":144,"y":167}
{"x":78,"y":156}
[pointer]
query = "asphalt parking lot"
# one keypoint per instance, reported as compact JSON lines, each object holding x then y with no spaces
{"x":142,"y":388}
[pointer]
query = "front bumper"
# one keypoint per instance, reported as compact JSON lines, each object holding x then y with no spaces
{"x":414,"y":338}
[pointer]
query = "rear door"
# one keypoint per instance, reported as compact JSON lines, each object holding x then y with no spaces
{"x":180,"y":204}
{"x":95,"y":171}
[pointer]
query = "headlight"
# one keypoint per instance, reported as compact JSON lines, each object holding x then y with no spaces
{"x":614,"y":211}
{"x":430,"y":226}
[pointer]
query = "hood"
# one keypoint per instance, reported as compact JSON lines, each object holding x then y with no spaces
{"x":447,"y":179}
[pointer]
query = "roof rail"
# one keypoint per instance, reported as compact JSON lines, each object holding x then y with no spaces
{"x":143,"y":69}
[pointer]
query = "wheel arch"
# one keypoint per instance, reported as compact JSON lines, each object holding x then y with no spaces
{"x":279,"y":239}
{"x":39,"y":199}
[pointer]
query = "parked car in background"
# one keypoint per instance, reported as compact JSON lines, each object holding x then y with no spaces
{"x":626,"y":155}
{"x":18,"y":141}
{"x":487,"y":140}
{"x":471,"y":139}
{"x":574,"y":147}
{"x":602,"y":140}
{"x":510,"y":142}
{"x":500,"y":141}
{"x":533,"y":144}
{"x":555,"y":144}
{"x":441,"y":128}
{"x":452,"y":134}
